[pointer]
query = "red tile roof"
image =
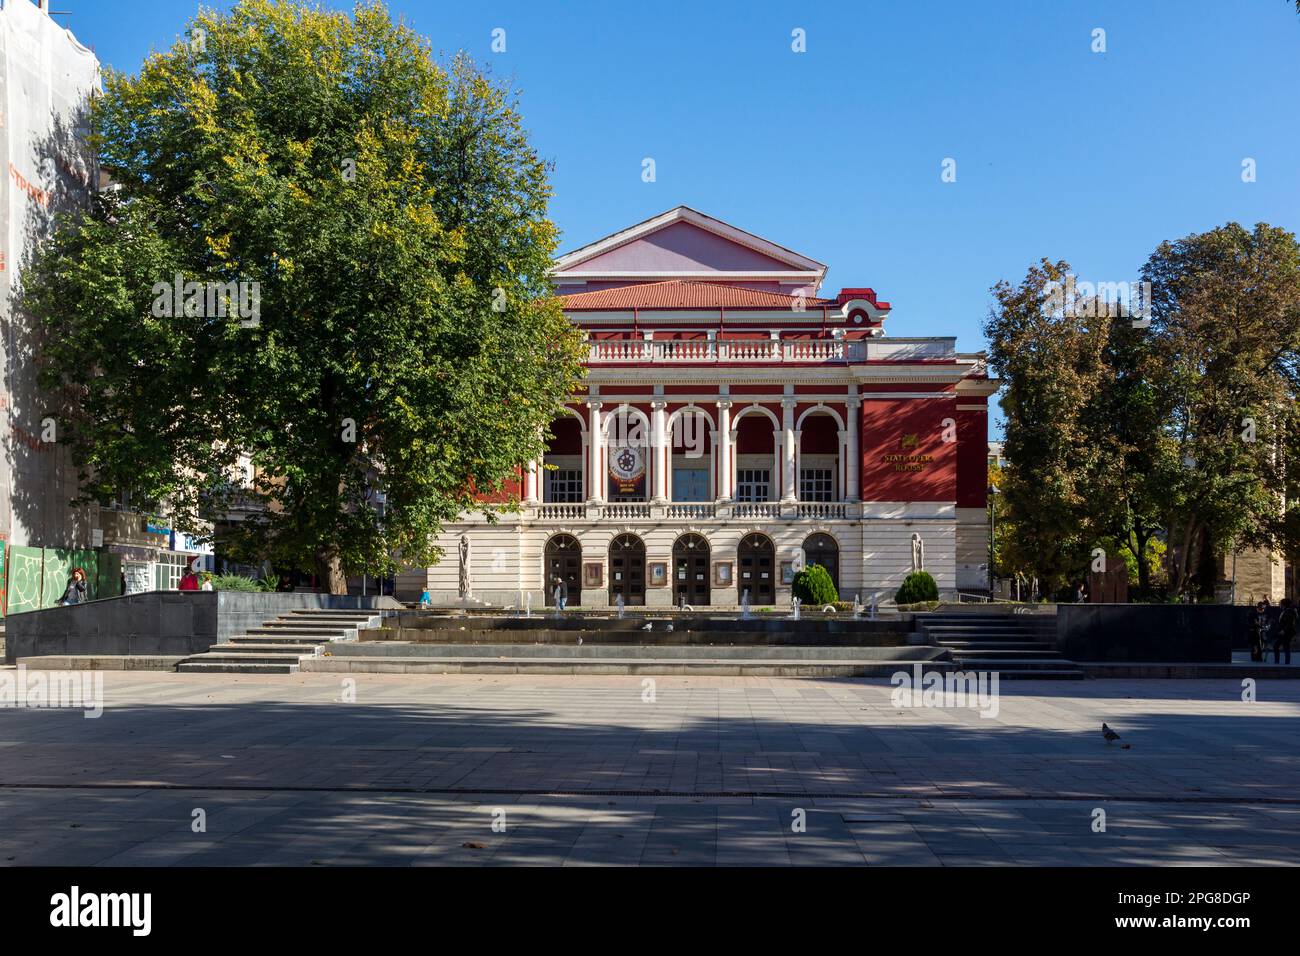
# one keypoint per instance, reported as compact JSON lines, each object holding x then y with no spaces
{"x":684,"y":294}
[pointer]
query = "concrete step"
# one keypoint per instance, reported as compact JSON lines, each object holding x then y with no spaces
{"x":607,"y":666}
{"x":1011,"y":663}
{"x":324,"y":634}
{"x":227,"y":667}
{"x":276,"y":640}
{"x":259,"y":648}
{"x":304,"y":626}
{"x":954,"y":629}
{"x":997,"y":645}
{"x":244,"y":657}
{"x":1041,"y":675}
{"x":679,"y":636}
{"x":1014,"y":653}
{"x":332,"y":614}
{"x":902,"y":656}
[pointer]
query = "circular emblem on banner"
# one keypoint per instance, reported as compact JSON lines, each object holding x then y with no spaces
{"x":627,"y":463}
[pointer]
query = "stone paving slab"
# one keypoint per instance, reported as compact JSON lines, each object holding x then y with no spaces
{"x":312,"y":769}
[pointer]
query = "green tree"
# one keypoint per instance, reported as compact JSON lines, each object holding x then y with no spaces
{"x":393,"y":216}
{"x":1048,"y":350}
{"x":1226,"y":306}
{"x":1123,"y":420}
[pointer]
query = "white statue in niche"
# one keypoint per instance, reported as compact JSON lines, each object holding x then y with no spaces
{"x":465,"y":591}
{"x":918,"y":552}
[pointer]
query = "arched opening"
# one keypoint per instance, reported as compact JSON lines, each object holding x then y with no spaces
{"x":563,"y":561}
{"x":691,"y":475}
{"x":824,"y":550}
{"x":691,"y":570}
{"x":627,"y":570}
{"x":819,"y":458}
{"x":757,"y":454}
{"x":627,"y":459}
{"x":757,"y":559}
{"x":562,"y":481}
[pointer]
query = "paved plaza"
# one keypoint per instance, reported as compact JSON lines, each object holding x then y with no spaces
{"x":315,"y":769}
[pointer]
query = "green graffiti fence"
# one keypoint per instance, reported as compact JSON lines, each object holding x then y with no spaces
{"x":38,"y":577}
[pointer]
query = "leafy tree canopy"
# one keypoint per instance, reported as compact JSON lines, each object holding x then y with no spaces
{"x":401,"y":335}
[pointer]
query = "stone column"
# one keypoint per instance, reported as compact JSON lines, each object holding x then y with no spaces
{"x":774,"y":486}
{"x":660,"y":454}
{"x":532,"y":481}
{"x":595,"y":486}
{"x":724,"y":451}
{"x":853,"y":466}
{"x":789,"y":486}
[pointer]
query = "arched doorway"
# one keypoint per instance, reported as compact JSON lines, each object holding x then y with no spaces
{"x":563,"y":560}
{"x":824,"y":550}
{"x":691,"y":571}
{"x":757,"y":559}
{"x":627,"y":570}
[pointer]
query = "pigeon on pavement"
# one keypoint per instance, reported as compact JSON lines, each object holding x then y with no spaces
{"x":1111,"y":737}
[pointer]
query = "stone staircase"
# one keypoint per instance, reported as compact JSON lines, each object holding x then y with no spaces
{"x":395,"y":657}
{"x":681,"y":644}
{"x":1017,"y":646}
{"x":278,"y":646}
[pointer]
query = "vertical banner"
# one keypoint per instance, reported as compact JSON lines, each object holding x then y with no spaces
{"x":627,"y":472}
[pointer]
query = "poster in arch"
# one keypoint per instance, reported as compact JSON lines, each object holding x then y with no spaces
{"x":627,"y":468}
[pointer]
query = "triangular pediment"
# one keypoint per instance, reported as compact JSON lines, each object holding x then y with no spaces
{"x":684,"y":243}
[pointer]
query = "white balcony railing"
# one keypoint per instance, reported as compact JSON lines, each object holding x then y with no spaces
{"x":622,"y":351}
{"x":623,"y":511}
{"x":761,"y":350}
{"x":693,"y":510}
{"x":560,"y":512}
{"x":762,"y":509}
{"x":821,"y":509}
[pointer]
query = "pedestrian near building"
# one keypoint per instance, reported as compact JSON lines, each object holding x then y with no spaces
{"x":1258,"y":622}
{"x":561,"y":593}
{"x":75,"y":592}
{"x":1285,"y":633}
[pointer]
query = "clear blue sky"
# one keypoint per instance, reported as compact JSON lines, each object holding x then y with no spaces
{"x":836,"y":152}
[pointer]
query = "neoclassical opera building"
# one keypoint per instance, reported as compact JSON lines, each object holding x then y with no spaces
{"x":737,"y":425}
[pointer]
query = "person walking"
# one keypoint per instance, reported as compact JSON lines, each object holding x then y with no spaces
{"x":561,"y":593}
{"x":1258,"y":623}
{"x":75,"y":592}
{"x":189,"y":580}
{"x":1285,"y":633}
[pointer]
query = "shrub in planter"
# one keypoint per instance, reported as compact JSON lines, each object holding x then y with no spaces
{"x":917,"y":587}
{"x":234,"y":582}
{"x":813,"y":587}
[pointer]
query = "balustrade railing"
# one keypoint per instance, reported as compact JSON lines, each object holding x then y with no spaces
{"x":699,"y":351}
{"x":691,"y":511}
{"x":623,"y":511}
{"x":702,"y":510}
{"x":822,"y":509}
{"x":556,"y":510}
{"x":763,"y":509}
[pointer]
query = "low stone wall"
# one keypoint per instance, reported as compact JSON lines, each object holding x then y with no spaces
{"x":159,"y":623}
{"x":1149,"y":633}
